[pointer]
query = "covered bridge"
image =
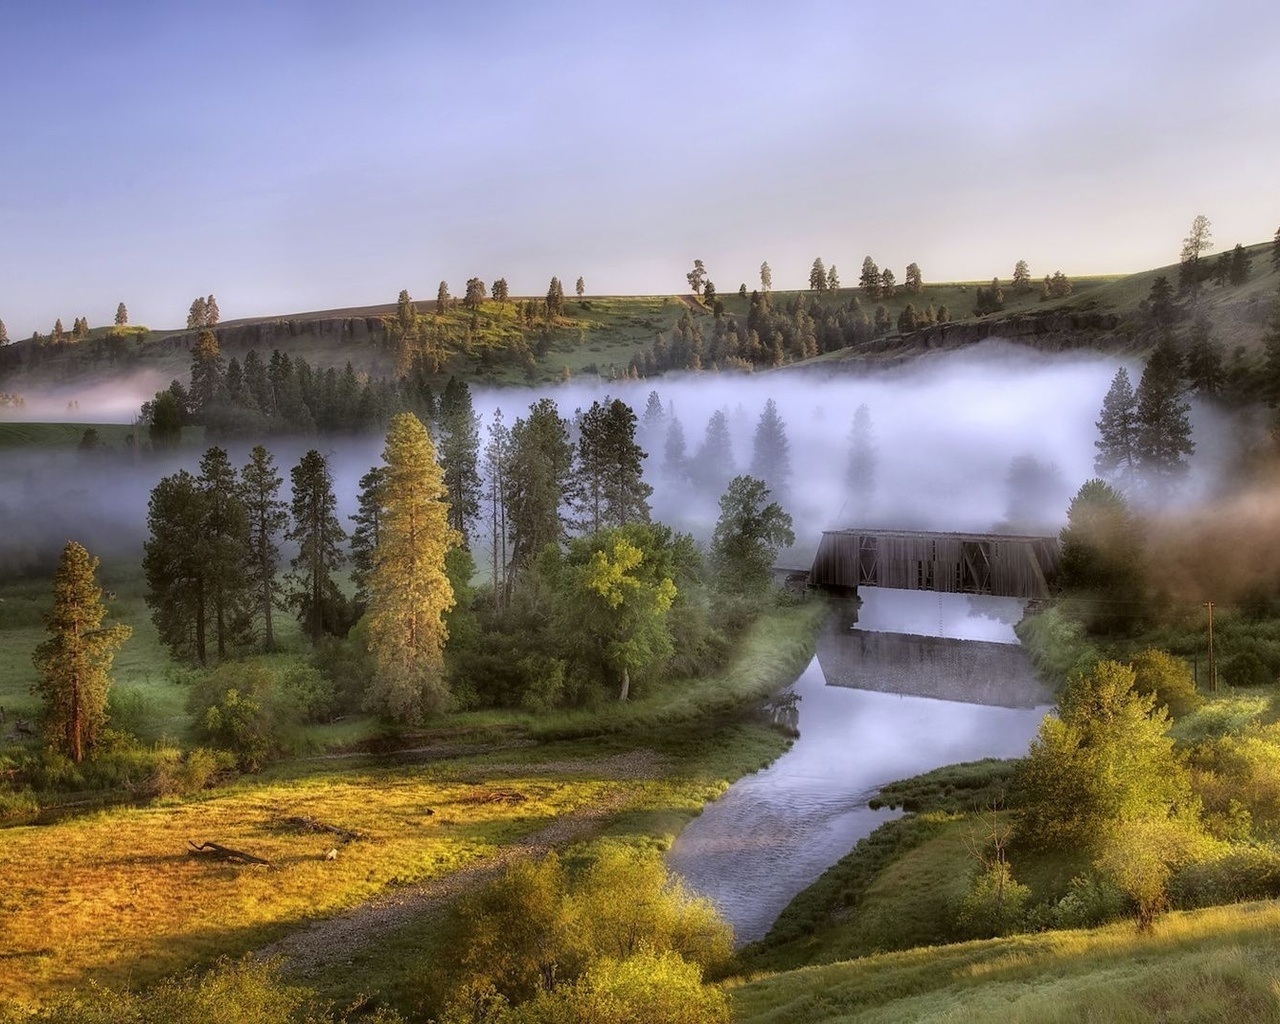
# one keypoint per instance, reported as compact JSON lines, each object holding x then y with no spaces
{"x":952,"y":563}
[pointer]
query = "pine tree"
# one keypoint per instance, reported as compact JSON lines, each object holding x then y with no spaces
{"x":675,"y":462}
{"x":696,"y":276}
{"x":712,"y":465}
{"x":913,"y":282}
{"x":747,"y":537}
{"x":4,"y":334}
{"x":869,"y":280}
{"x":460,"y":457}
{"x":818,"y":276}
{"x":1021,"y":278}
{"x":74,"y":663}
{"x":555,"y":298}
{"x":1239,"y":267}
{"x":887,"y":283}
{"x":860,"y":472}
{"x":368,"y":524}
{"x":211,"y":314}
{"x":766,"y":274}
{"x":175,"y":565}
{"x":1117,"y":431}
{"x":833,"y":279}
{"x":580,"y":288}
{"x":539,"y":479}
{"x":122,"y":315}
{"x":770,"y":452}
{"x":1275,"y":252}
{"x":500,"y":291}
{"x":442,"y":297}
{"x":473,"y":297}
{"x":610,"y":477}
{"x":196,"y":314}
{"x":907,"y":319}
{"x":207,"y":371}
{"x":1196,"y":244}
{"x":497,"y":466}
{"x":409,"y":591}
{"x":267,"y":517}
{"x":1206,"y":369}
{"x":318,"y":534}
{"x":224,"y":541}
{"x":1271,"y":352}
{"x":58,"y":334}
{"x":1164,"y":438}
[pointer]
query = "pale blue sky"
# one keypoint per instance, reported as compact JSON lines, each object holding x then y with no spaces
{"x":305,"y":155}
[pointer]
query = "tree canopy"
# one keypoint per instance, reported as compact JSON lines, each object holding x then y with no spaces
{"x":747,"y":537}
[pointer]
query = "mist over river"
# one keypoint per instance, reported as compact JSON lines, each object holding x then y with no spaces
{"x":875,"y":705}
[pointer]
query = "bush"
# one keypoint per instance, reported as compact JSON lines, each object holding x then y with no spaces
{"x":994,"y":905}
{"x":1169,"y":679}
{"x":1242,"y":874}
{"x":17,"y":803}
{"x":1091,"y":900}
{"x":1245,"y":669}
{"x":131,"y":710}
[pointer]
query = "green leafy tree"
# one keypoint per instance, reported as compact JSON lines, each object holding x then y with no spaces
{"x":1101,"y":565}
{"x":364,"y":537}
{"x":1198,"y":242}
{"x":122,"y":315}
{"x":1117,"y":430}
{"x":766,"y":274}
{"x":1164,"y":434}
{"x":913,"y":281}
{"x":771,"y":451}
{"x":869,"y":280}
{"x":1168,"y":678}
{"x":409,"y":589}
{"x":318,"y":535}
{"x":747,"y":537}
{"x":175,"y":566}
{"x":818,"y":276}
{"x":267,"y":516}
{"x":74,"y":663}
{"x":460,"y":457}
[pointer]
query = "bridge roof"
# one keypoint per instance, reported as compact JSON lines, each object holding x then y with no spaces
{"x":872,"y":531}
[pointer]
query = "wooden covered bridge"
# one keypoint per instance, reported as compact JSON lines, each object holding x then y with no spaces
{"x":996,"y":564}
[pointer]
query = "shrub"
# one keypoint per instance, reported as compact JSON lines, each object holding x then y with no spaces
{"x":995,"y":903}
{"x":1245,"y":668}
{"x":1091,"y":900}
{"x":1242,"y":874}
{"x":1169,"y":679}
{"x":17,"y":803}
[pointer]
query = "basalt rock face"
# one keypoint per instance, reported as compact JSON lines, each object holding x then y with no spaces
{"x":266,"y":335}
{"x":1051,"y":331}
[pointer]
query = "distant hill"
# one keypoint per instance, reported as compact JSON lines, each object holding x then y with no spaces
{"x":515,"y":343}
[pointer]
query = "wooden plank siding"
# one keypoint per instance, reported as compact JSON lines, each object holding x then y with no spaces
{"x":951,"y":563}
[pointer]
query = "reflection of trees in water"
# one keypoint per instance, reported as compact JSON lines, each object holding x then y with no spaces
{"x":783,"y":710}
{"x":1009,"y":612}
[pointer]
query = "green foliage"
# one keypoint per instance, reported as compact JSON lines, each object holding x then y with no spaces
{"x":1169,"y":679}
{"x":1163,"y":440}
{"x":1246,"y":668}
{"x":1101,"y":566}
{"x":747,"y":537}
{"x":952,"y":789}
{"x":1091,"y":900}
{"x":1117,"y":431}
{"x":994,"y":904}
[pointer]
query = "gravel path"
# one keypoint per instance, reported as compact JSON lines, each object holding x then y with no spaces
{"x":335,"y":940}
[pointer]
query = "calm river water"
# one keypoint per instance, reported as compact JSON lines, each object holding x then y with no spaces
{"x":875,"y":705}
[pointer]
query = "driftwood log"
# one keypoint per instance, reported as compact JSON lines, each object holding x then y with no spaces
{"x":219,"y":852}
{"x":305,"y":823}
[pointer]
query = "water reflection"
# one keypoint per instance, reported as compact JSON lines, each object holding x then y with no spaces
{"x":774,"y":832}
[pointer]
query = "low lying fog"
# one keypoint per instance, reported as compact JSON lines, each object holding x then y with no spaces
{"x":945,"y":428}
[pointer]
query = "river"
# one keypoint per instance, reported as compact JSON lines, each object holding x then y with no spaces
{"x":923,"y":680}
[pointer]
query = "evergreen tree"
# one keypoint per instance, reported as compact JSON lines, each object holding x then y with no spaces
{"x":460,"y":457}
{"x":500,"y":291}
{"x":1161,"y":305}
{"x":770,"y":452}
{"x":1101,"y":564}
{"x":712,"y":465}
{"x":207,"y":370}
{"x":164,"y":421}
{"x":675,"y":461}
{"x":4,"y":334}
{"x":696,"y":276}
{"x":196,"y":314}
{"x":497,"y":465}
{"x":368,"y":522}
{"x":442,"y":297}
{"x":58,"y":335}
{"x":1163,"y":439}
{"x":122,"y":315}
{"x":224,"y":538}
{"x":176,"y":567}
{"x":747,"y":537}
{"x":580,"y":288}
{"x":267,"y":517}
{"x":1275,"y":252}
{"x":555,"y":298}
{"x":882,"y":320}
{"x":766,"y":274}
{"x":610,"y":476}
{"x":409,"y":590}
{"x":833,"y":279}
{"x":913,"y":281}
{"x":1238,"y":270}
{"x":869,"y":280}
{"x":818,"y":276}
{"x":473,"y":298}
{"x":1194,"y":246}
{"x":1021,"y":277}
{"x":1271,"y":353}
{"x":1117,"y":431}
{"x":539,"y":479}
{"x":211,"y":314}
{"x":860,"y":472}
{"x":74,"y":663}
{"x":1206,"y":369}
{"x":887,"y":283}
{"x":907,"y":319}
{"x":318,"y":534}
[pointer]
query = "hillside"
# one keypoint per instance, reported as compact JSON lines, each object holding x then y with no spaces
{"x":516,"y":343}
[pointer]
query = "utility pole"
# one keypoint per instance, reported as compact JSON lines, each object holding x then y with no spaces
{"x":1213,"y":671}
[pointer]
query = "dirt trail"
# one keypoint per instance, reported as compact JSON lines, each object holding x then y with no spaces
{"x":335,"y":940}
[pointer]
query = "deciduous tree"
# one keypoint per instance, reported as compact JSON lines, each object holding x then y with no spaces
{"x":747,"y":537}
{"x":74,"y":663}
{"x":696,"y":276}
{"x":409,"y":589}
{"x":1101,"y":567}
{"x":1198,"y":242}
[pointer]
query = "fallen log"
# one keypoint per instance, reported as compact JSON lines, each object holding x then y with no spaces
{"x":219,"y":852}
{"x":305,"y":823}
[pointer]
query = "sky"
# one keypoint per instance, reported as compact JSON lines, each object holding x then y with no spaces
{"x":314,"y":154}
